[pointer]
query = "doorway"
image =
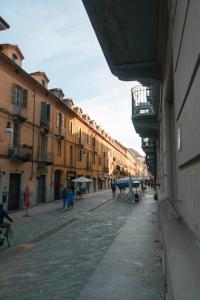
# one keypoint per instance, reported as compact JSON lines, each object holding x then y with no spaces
{"x":14,"y":192}
{"x":41,"y":191}
{"x":57,"y":184}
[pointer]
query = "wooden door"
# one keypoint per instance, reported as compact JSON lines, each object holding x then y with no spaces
{"x":14,"y":192}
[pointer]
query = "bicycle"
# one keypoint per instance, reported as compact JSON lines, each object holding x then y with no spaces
{"x":6,"y":236}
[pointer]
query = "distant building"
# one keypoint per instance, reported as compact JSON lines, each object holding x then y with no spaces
{"x":46,"y":141}
{"x":157,"y":44}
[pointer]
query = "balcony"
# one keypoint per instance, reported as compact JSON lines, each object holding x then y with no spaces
{"x":144,"y":116}
{"x":45,"y":158}
{"x":151,"y":163}
{"x":106,"y":170}
{"x":19,"y":115}
{"x":20,"y":153}
{"x":60,"y":133}
{"x":148,"y":145}
{"x":45,"y":125}
{"x":88,"y":166}
{"x":80,"y":144}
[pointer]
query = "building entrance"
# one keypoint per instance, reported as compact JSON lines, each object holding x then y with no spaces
{"x":14,"y":192}
{"x":41,"y":191}
{"x":57,"y":183}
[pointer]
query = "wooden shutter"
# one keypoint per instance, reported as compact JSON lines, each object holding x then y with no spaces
{"x":48,"y":111}
{"x":43,"y":111}
{"x":24,"y":99}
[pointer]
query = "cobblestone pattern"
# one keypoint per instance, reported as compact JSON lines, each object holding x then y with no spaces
{"x":50,"y":215}
{"x":59,"y":266}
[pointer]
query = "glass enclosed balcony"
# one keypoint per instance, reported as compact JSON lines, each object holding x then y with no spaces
{"x":148,"y":145}
{"x":144,"y":114}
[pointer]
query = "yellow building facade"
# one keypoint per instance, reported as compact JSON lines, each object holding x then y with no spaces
{"x":46,"y":141}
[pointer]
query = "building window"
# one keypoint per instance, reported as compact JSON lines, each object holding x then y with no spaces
{"x":71,"y":127}
{"x":99,"y":161}
{"x":94,"y":158}
{"x":19,"y":96}
{"x":15,"y":58}
{"x":59,"y":148}
{"x":45,"y":113}
{"x":79,"y":134}
{"x":88,"y":138}
{"x":43,"y":83}
{"x":79,"y":155}
{"x":60,"y":120}
{"x":71,"y":156}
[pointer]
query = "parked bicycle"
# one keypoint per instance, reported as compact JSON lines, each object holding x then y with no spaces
{"x":5,"y":227}
{"x":6,"y":236}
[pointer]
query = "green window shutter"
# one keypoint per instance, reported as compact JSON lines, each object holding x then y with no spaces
{"x":43,"y":111}
{"x":48,"y":111}
{"x":24,"y":100}
{"x":14,"y":93}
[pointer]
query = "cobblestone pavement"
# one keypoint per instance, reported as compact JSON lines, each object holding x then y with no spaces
{"x":56,"y":252}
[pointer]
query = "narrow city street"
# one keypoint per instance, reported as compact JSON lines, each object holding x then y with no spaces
{"x":102,"y":249}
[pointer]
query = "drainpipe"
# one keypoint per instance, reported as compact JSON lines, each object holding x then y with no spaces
{"x":33,"y":133}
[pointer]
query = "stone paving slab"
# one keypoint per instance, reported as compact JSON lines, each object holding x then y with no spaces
{"x":63,"y":265}
{"x":130,"y":269}
{"x":50,"y":215}
{"x":59,"y":266}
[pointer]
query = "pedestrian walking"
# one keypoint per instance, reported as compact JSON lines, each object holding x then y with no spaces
{"x":70,"y":199}
{"x":64,"y":196}
{"x":27,"y":200}
{"x":113,"y":188}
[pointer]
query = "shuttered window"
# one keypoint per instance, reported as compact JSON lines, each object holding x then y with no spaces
{"x":25,"y":98}
{"x":45,"y":112}
{"x":60,"y":120}
{"x":19,"y":96}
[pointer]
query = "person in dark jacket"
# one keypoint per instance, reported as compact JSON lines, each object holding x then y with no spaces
{"x":113,"y":188}
{"x":3,"y":214}
{"x":64,"y":196}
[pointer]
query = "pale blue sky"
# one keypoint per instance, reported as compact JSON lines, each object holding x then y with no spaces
{"x":56,"y":37}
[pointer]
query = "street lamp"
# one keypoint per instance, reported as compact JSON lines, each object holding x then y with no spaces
{"x":8,"y":128}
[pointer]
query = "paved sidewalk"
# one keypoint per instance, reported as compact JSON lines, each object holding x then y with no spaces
{"x":103,"y":249}
{"x":130,"y":269}
{"x":47,"y":216}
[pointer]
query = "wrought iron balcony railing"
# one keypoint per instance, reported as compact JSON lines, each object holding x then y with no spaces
{"x":148,"y":144}
{"x":88,"y":166}
{"x":45,"y":157}
{"x":60,"y":133}
{"x":45,"y":125}
{"x":19,"y":114}
{"x":80,"y":143}
{"x":20,"y":152}
{"x":106,"y":170}
{"x":144,"y":115}
{"x":142,"y":100}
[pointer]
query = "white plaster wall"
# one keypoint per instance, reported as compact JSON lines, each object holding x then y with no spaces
{"x":188,"y":177}
{"x":189,"y":50}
